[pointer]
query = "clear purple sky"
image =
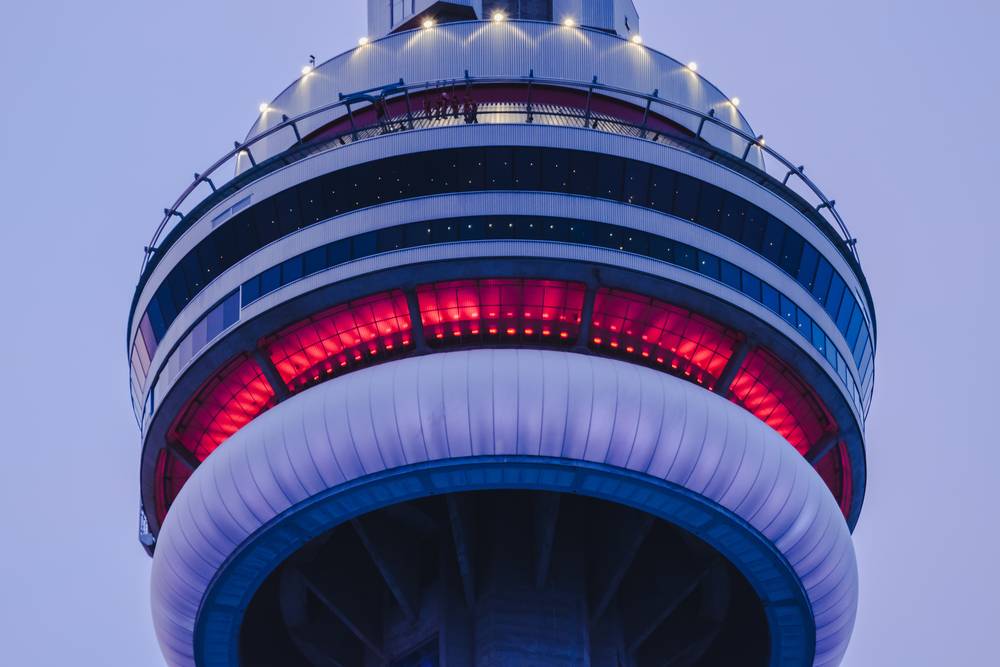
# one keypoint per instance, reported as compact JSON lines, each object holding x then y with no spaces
{"x":108,"y":107}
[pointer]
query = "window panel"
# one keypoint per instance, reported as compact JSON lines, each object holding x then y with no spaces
{"x":774,"y":393}
{"x":501,"y":311}
{"x":661,"y":335}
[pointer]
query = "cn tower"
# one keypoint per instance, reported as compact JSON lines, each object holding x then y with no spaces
{"x":502,"y":339}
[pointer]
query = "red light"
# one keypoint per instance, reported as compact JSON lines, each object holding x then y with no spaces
{"x":224,"y":404}
{"x":774,"y":393}
{"x":520,"y":305}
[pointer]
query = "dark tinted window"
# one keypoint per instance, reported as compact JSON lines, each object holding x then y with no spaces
{"x":557,"y":170}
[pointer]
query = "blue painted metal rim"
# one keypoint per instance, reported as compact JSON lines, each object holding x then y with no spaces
{"x":786,"y":606}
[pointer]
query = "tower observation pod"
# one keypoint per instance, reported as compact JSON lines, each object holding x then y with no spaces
{"x":502,"y":339}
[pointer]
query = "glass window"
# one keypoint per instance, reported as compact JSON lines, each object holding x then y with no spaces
{"x":818,"y":339}
{"x":636,"y":189}
{"x":363,"y":245}
{"x":754,"y":228}
{"x":661,"y":189}
{"x":787,"y":309}
{"x":774,"y":234}
{"x":661,"y":249}
{"x":291,"y":269}
{"x":750,"y":285}
{"x":807,"y":267}
{"x":582,"y":172}
{"x":854,"y":328}
{"x":710,"y":207}
{"x":610,"y":174}
{"x":686,"y":256}
{"x":338,"y":252}
{"x":250,"y":290}
{"x":708,"y":264}
{"x":314,"y":261}
{"x":803,"y":322}
{"x":770,"y":299}
{"x":581,"y":231}
{"x":732,"y":221}
{"x":499,"y":168}
{"x":555,"y":171}
{"x":528,"y":169}
{"x":834,"y":296}
{"x":270,"y":280}
{"x":822,"y":284}
{"x":731,"y":275}
{"x":847,"y":307}
{"x":685,"y":197}
{"x":791,"y":253}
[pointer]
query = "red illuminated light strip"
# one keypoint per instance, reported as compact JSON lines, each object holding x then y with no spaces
{"x":341,"y":338}
{"x":499,"y":311}
{"x":774,"y":394}
{"x":662,"y":335}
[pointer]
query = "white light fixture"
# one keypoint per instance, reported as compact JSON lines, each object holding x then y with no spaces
{"x":428,"y":23}
{"x":569,"y":22}
{"x":263,"y":107}
{"x":362,"y":41}
{"x":693,"y":66}
{"x":735,"y":101}
{"x":637,"y":39}
{"x":499,"y":16}
{"x":306,"y":69}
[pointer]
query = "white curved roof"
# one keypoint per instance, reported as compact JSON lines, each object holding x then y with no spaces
{"x":503,"y":402}
{"x":498,"y":49}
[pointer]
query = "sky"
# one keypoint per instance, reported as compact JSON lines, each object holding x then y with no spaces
{"x":109,"y":106}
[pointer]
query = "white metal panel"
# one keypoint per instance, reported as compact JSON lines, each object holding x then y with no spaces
{"x":684,"y":435}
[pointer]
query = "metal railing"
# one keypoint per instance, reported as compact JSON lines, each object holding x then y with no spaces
{"x":807,"y":197}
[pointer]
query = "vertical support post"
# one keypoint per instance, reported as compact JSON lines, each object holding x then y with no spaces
{"x":272,"y":375}
{"x":350,"y":116}
{"x":416,"y":324}
{"x":728,"y":373}
{"x":531,"y":78}
{"x":645,"y":114}
{"x":590,"y":97}
{"x":701,"y":123}
{"x":409,"y":109}
{"x":586,"y":318}
{"x":295,"y":129}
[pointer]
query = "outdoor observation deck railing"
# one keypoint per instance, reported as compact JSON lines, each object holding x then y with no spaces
{"x":794,"y":186}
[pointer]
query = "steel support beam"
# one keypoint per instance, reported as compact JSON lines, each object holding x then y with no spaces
{"x":390,"y":549}
{"x":460,"y":516}
{"x":545,"y":514}
{"x":343,"y":597}
{"x":623,"y":532}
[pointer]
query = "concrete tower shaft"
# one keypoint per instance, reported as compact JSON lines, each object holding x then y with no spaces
{"x":507,"y":341}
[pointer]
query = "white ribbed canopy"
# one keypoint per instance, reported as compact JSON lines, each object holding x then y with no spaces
{"x":503,"y":402}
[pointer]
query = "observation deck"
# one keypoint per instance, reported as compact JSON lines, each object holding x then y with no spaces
{"x":550,"y":211}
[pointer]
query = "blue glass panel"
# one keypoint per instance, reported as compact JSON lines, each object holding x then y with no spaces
{"x":250,"y":290}
{"x":807,"y":267}
{"x":708,"y":264}
{"x":751,"y":286}
{"x":771,"y":299}
{"x":788,"y":309}
{"x":731,"y":275}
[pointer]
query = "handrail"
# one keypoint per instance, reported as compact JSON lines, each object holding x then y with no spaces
{"x":734,"y":159}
